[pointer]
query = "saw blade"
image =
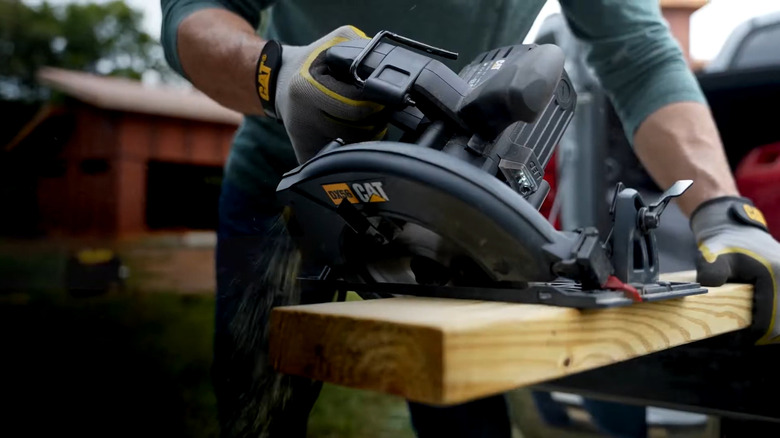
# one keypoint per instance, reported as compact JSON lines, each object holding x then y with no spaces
{"x":419,"y":256}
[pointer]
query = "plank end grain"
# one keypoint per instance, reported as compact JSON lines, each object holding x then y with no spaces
{"x":443,"y":351}
{"x":365,"y":353}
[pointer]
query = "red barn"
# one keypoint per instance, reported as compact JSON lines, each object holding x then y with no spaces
{"x":116,"y":158}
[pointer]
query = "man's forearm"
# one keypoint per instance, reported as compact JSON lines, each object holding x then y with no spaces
{"x":680,"y":141}
{"x":218,"y":52}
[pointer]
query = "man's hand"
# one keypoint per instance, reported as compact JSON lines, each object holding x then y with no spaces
{"x":316,"y":108}
{"x":219,"y":52}
{"x":735,"y":246}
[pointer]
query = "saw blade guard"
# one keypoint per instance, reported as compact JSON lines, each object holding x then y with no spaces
{"x":375,"y":203}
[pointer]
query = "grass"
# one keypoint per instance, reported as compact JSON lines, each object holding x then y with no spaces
{"x":138,"y":365}
{"x":130,"y":364}
{"x":108,"y":366}
{"x":344,"y":412}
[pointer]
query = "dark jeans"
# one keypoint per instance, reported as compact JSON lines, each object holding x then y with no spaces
{"x":252,"y":399}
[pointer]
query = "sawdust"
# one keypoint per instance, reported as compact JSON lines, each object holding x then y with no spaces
{"x":270,"y":392}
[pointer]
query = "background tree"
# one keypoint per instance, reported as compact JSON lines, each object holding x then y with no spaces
{"x":102,"y":38}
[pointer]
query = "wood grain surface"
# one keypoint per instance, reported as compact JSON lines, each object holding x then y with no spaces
{"x":444,"y":351}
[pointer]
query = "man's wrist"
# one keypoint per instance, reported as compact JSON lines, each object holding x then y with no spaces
{"x":720,"y":200}
{"x":680,"y":141}
{"x":266,"y":75}
{"x":726,"y":210}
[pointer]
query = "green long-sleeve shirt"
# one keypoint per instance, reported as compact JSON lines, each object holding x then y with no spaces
{"x":631,"y":49}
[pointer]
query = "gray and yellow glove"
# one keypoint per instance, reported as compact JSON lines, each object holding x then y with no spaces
{"x":295,"y":87}
{"x":735,"y":245}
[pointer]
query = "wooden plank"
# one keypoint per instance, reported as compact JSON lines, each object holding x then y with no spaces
{"x":442,"y":351}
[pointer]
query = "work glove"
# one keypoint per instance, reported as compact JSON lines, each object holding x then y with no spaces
{"x":314,"y":107}
{"x":735,"y":245}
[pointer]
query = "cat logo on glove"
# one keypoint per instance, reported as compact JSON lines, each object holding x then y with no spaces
{"x":755,"y":214}
{"x":371,"y":191}
{"x":263,"y":76}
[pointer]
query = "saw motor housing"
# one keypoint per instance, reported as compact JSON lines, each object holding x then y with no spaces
{"x":484,"y":115}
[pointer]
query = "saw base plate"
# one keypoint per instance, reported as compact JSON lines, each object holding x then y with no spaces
{"x":561,"y":294}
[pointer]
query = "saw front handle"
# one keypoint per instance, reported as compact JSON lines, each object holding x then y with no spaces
{"x":514,"y":88}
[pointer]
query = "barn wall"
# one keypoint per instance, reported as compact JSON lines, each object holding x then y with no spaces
{"x":83,"y":200}
{"x":144,"y":138}
{"x":176,"y":140}
{"x":135,"y":139}
{"x":113,"y":202}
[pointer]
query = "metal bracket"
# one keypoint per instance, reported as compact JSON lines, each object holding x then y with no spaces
{"x":634,"y":252}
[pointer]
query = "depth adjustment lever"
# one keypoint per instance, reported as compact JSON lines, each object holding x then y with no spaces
{"x":650,"y":217}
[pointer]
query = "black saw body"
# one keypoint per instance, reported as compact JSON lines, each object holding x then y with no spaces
{"x":451,"y":210}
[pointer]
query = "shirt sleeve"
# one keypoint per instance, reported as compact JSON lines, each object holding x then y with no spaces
{"x":638,"y":62}
{"x":175,"y":11}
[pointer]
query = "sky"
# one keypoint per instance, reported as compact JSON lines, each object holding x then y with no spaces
{"x":710,"y":26}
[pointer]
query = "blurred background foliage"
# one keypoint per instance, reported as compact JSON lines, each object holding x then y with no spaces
{"x":105,"y":38}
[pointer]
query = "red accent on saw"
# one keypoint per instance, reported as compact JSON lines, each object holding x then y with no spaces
{"x":550,"y":175}
{"x":614,"y":283}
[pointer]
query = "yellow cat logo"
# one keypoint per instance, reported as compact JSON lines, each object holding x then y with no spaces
{"x":755,"y":214}
{"x":263,"y":76}
{"x":371,"y":191}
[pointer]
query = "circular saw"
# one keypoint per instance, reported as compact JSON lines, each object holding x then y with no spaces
{"x":451,"y":208}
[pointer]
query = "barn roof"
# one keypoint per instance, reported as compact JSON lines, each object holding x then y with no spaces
{"x":128,"y":95}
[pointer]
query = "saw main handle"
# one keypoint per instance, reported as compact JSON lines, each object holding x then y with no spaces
{"x":485,"y":101}
{"x":398,"y":78}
